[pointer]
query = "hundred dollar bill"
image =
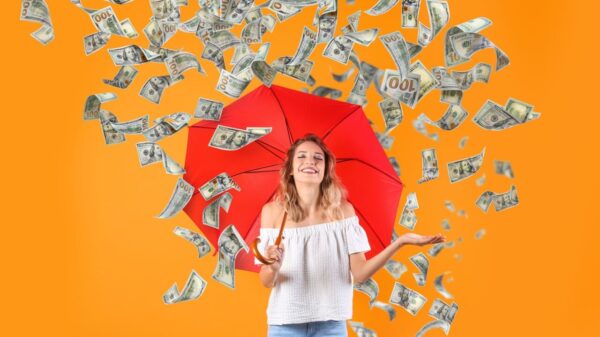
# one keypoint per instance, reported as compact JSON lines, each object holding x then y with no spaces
{"x":453,"y":117}
{"x":449,"y":205}
{"x":453,"y":97}
{"x":386,"y":141}
{"x":421,"y":261}
{"x":407,"y":298}
{"x":479,"y":73}
{"x":386,"y":307}
{"x":409,"y":218}
{"x":176,"y":120}
{"x":260,"y":68}
{"x":106,"y":21}
{"x":471,"y":26}
{"x":360,"y":330}
{"x":230,"y":85}
{"x":392,"y":113}
{"x":131,"y":55}
{"x":464,"y":168}
{"x":159,"y":32}
{"x":259,"y":130}
{"x":164,"y":10}
{"x":210,"y":214}
{"x":159,"y":131}
{"x":230,"y":244}
{"x":194,"y":288}
{"x":462,"y":142}
{"x":176,"y":64}
{"x":518,"y":109}
{"x":154,"y":87}
{"x":214,"y":54}
{"x":395,"y":165}
{"x":37,"y":11}
{"x":395,"y":268}
{"x":223,"y":39}
{"x":137,"y":125}
{"x":492,"y":116}
{"x":433,"y":325}
{"x":182,"y":194}
{"x":201,"y":243}
{"x":396,"y":45}
{"x":479,"y":234}
{"x":123,"y":78}
{"x":338,"y":49}
{"x":369,"y":287}
{"x":111,"y":136}
{"x":446,"y":224}
{"x":129,"y":29}
{"x":443,"y":311}
{"x":300,"y":72}
{"x":506,"y":200}
{"x":283,"y":10}
{"x":419,"y":125}
{"x":410,"y":13}
{"x":381,"y":7}
{"x":94,"y":42}
{"x":323,"y":91}
{"x":466,"y":44}
{"x":344,"y":76}
{"x":306,"y":47}
{"x":436,"y":249}
{"x":439,"y":15}
{"x":405,"y":91}
{"x":439,"y":286}
{"x":93,"y":103}
{"x":481,"y":180}
{"x":484,"y":200}
{"x":327,"y":23}
{"x":149,"y":153}
{"x":427,"y":81}
{"x":231,"y":139}
{"x":504,"y":168}
{"x":209,"y":109}
{"x":220,"y":183}
{"x":363,"y":37}
{"x":430,"y":169}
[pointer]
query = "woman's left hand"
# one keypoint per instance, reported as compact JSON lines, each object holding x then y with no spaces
{"x":420,"y":240}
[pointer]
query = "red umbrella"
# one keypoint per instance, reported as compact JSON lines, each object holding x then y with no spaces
{"x":373,"y":186}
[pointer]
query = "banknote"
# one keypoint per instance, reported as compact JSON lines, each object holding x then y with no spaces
{"x":214,"y":54}
{"x":210,"y":214}
{"x":159,"y":131}
{"x":381,"y":7}
{"x":154,"y":87}
{"x":194,"y":288}
{"x":327,"y":92}
{"x":429,"y":169}
{"x":385,"y":140}
{"x":158,"y":32}
{"x":481,"y":180}
{"x":326,"y":23}
{"x":427,"y":81}
{"x":176,"y":64}
{"x":506,"y":200}
{"x":452,"y":118}
{"x":395,"y":165}
{"x":369,"y":287}
{"x":464,"y":168}
{"x":435,"y":324}
{"x":94,"y":42}
{"x":419,"y":125}
{"x":230,"y":244}
{"x":93,"y":103}
{"x":300,"y":72}
{"x":421,"y":261}
{"x":436,"y":249}
{"x":480,"y":233}
{"x":387,"y":308}
{"x":492,"y":116}
{"x":395,"y":268}
{"x":106,"y":21}
{"x":439,"y":286}
{"x":123,"y":78}
{"x":518,"y":109}
{"x":409,"y":217}
{"x":504,"y":168}
{"x":361,"y":330}
{"x":209,"y":109}
{"x":230,"y":85}
{"x":442,"y":311}
{"x":396,"y":45}
{"x":201,"y":243}
{"x":338,"y":49}
{"x":111,"y":136}
{"x":182,"y":194}
{"x":392,"y":113}
{"x":131,"y":55}
{"x":149,"y":153}
{"x":485,"y":200}
{"x":446,"y":224}
{"x":135,"y":126}
{"x":449,"y":205}
{"x":230,"y":139}
{"x":466,"y":44}
{"x":407,"y":298}
{"x":165,"y":10}
{"x":363,"y":37}
{"x":462,"y":142}
{"x":410,"y":13}
{"x":439,"y":15}
{"x":451,"y":57}
{"x":405,"y":91}
{"x":306,"y":47}
{"x":220,"y":183}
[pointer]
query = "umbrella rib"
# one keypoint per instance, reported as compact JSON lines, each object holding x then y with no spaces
{"x":339,"y":122}
{"x":289,"y":132}
{"x":394,"y":178}
{"x":367,"y":222}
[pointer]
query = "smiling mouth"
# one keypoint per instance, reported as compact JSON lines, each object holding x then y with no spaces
{"x":309,"y":171}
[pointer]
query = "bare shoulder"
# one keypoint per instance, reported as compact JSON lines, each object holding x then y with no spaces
{"x":347,"y":209}
{"x":269,"y":214}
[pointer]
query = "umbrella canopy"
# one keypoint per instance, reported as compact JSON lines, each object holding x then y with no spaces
{"x":373,"y":186}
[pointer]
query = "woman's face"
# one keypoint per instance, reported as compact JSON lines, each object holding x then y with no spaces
{"x":309,"y":163}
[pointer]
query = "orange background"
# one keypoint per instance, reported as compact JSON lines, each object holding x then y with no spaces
{"x":83,"y":254}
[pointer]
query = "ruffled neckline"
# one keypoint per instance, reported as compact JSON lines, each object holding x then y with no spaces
{"x":314,"y":227}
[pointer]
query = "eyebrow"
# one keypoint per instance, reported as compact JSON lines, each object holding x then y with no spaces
{"x":315,"y":152}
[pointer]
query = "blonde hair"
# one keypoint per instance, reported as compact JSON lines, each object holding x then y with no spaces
{"x":331,"y":190}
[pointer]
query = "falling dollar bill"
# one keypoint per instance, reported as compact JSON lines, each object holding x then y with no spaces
{"x":230,"y":139}
{"x":381,"y":7}
{"x":230,"y":244}
{"x":387,"y":308}
{"x":439,"y":15}
{"x":392,"y":113}
{"x":503,"y":168}
{"x":443,"y":311}
{"x":430,"y":168}
{"x":439,"y":286}
{"x":153,"y":89}
{"x":136,"y":126}
{"x":93,"y":103}
{"x":452,"y":118}
{"x":95,"y":41}
{"x":194,"y":288}
{"x":111,"y":136}
{"x":37,"y":11}
{"x":410,"y":13}
{"x":395,"y":268}
{"x":407,"y":298}
{"x":200,"y":242}
{"x":210,"y":214}
{"x":369,"y":287}
{"x":220,"y":183}
{"x":466,"y":44}
{"x":409,"y":218}
{"x":131,"y":55}
{"x":421,"y":261}
{"x":123,"y":78}
{"x":435,"y":324}
{"x":178,"y":63}
{"x":150,"y":152}
{"x":209,"y":109}
{"x":230,"y":85}
{"x":461,"y":169}
{"x":452,"y":58}
{"x":182,"y":194}
{"x":396,"y":45}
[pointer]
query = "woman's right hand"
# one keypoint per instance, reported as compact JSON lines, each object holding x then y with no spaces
{"x":275,"y":252}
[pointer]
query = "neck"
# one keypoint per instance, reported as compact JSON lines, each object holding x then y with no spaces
{"x":309,"y":195}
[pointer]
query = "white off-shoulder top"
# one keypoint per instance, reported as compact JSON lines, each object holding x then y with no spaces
{"x":314,"y":282}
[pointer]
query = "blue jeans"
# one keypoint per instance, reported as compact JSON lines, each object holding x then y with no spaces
{"x":329,"y":328}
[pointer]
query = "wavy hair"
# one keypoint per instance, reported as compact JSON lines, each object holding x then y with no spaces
{"x":331,"y":191}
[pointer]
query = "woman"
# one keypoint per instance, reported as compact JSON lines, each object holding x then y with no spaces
{"x":325,"y":244}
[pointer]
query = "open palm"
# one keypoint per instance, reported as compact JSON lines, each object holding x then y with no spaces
{"x":420,"y":240}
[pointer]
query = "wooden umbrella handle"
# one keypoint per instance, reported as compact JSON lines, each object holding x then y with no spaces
{"x":277,"y":241}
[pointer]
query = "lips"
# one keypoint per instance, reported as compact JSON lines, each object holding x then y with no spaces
{"x":309,"y":171}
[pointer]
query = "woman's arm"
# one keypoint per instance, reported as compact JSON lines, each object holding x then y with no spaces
{"x":362,"y":269}
{"x":268,"y":276}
